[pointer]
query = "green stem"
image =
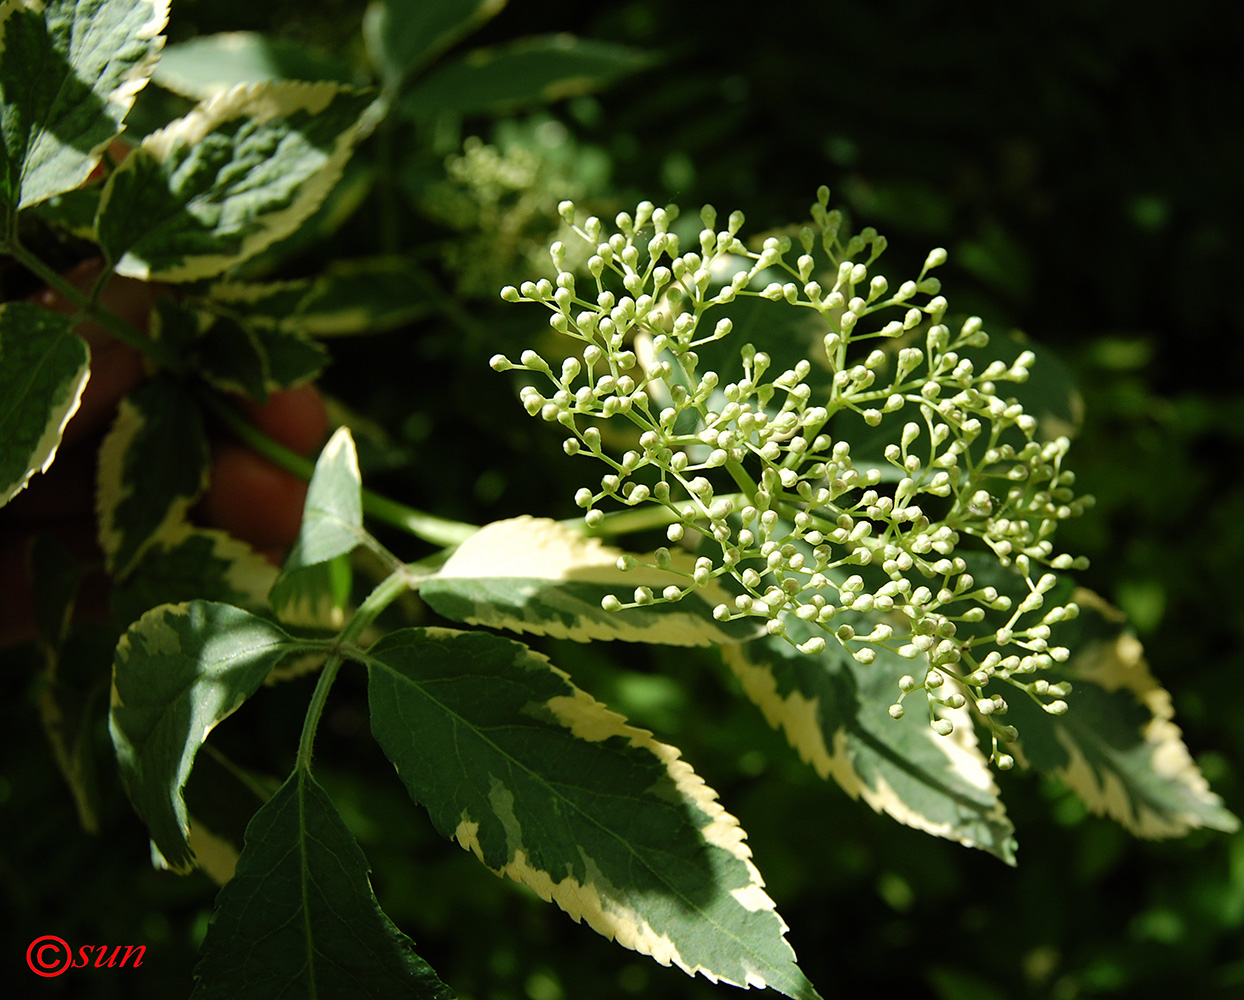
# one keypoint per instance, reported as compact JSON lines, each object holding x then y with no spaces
{"x":318,"y":699}
{"x":110,"y":321}
{"x":742,"y":479}
{"x":437,"y":530}
{"x":625,"y":522}
{"x":385,"y":594}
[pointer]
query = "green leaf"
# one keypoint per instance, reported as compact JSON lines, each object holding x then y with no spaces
{"x":290,"y":359}
{"x":179,"y":671}
{"x":535,"y":575}
{"x":230,"y":358}
{"x":1117,"y":747}
{"x":185,"y":563}
{"x":43,"y":369}
{"x":204,"y":66}
{"x":236,"y":174}
{"x":523,"y":72}
{"x":299,"y":918}
{"x":549,"y":787}
{"x":833,"y":711}
{"x":368,"y":295}
{"x":73,"y":211}
{"x":307,"y":592}
{"x":403,"y":36}
{"x":152,"y":466}
{"x":254,"y":360}
{"x":69,"y":72}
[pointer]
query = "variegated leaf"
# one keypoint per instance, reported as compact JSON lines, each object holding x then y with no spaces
{"x":367,"y":295}
{"x":549,"y":787}
{"x":239,"y":172}
{"x":69,"y":72}
{"x":535,"y":575}
{"x":833,"y":711}
{"x":1117,"y":746}
{"x":254,"y":360}
{"x":179,"y":671}
{"x":152,"y":466}
{"x":184,"y":563}
{"x":43,"y":369}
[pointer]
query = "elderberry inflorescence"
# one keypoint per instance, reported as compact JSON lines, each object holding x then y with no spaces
{"x":803,"y":525}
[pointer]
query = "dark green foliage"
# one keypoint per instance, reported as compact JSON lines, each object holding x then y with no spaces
{"x":1079,"y":162}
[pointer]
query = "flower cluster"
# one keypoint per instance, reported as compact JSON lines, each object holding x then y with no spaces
{"x":501,"y":198}
{"x":846,"y":488}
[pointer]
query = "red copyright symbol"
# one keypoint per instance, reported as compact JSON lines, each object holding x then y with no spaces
{"x":48,"y":956}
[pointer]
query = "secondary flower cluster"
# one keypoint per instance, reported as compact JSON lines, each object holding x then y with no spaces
{"x":834,"y":530}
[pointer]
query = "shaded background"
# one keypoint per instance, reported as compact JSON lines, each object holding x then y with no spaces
{"x":1082,"y":164}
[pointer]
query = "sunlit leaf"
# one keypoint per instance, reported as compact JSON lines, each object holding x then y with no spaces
{"x":43,"y":369}
{"x":833,"y":711}
{"x":1117,"y":747}
{"x":299,"y":918}
{"x":535,"y":575}
{"x":69,"y":72}
{"x":206,"y":65}
{"x":547,"y":786}
{"x":332,"y":526}
{"x":239,"y":172}
{"x":179,"y":671}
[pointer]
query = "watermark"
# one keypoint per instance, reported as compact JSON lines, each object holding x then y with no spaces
{"x":49,"y":955}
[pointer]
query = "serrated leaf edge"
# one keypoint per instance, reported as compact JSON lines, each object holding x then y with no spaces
{"x":590,"y":720}
{"x":262,"y":102}
{"x":43,"y":453}
{"x":111,"y":490}
{"x":1121,"y":665}
{"x":542,"y":549}
{"x":798,"y":717}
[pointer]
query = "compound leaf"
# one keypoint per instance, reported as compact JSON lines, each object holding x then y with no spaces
{"x":299,"y":917}
{"x":179,"y":671}
{"x":43,"y":369}
{"x":530,"y":574}
{"x":239,"y":172}
{"x":69,"y":72}
{"x":523,"y":72}
{"x":152,"y":466}
{"x":547,"y":786}
{"x":1117,"y":747}
{"x":833,"y":711}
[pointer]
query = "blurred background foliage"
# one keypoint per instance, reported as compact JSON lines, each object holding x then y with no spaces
{"x":1081,"y":161}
